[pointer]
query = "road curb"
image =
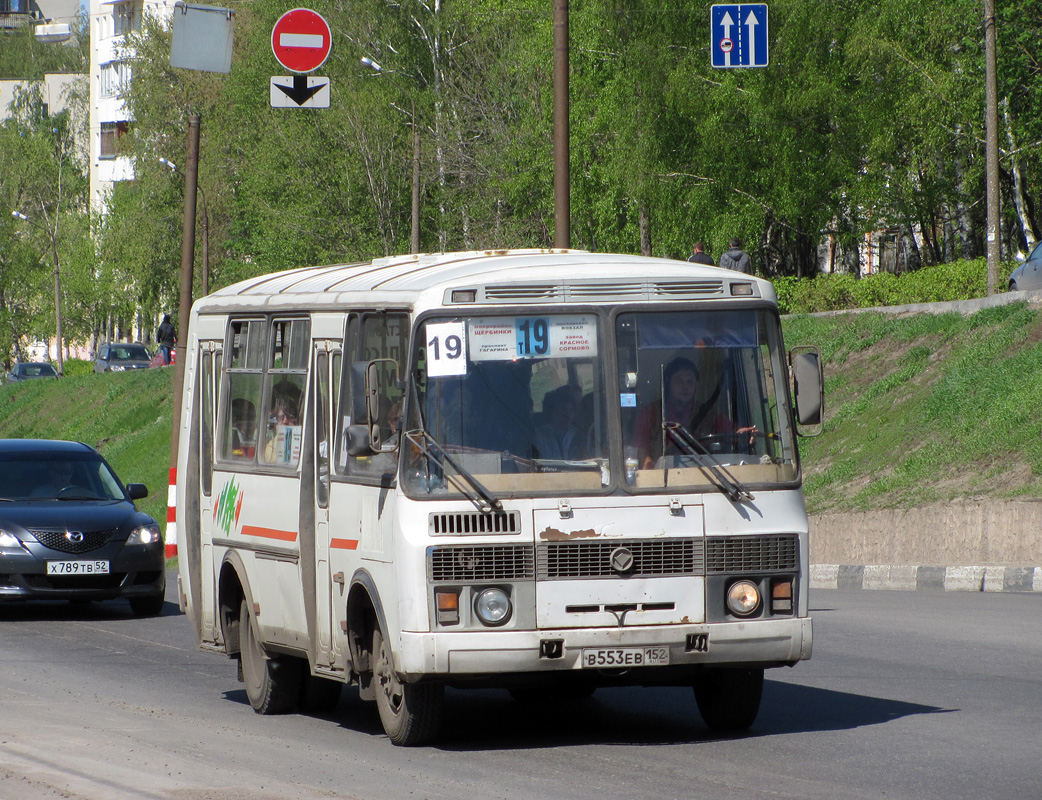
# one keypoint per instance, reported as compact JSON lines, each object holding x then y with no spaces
{"x":912,"y":578}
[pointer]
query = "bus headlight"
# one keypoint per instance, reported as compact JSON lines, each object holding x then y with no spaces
{"x":492,"y":606}
{"x":743,"y":598}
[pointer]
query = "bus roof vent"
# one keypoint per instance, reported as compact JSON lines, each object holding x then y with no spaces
{"x":688,"y":288}
{"x":530,"y":293}
{"x":616,"y":290}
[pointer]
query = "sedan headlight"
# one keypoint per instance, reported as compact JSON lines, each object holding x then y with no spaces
{"x":492,"y":606}
{"x":146,"y":534}
{"x":9,"y":541}
{"x":743,"y":598}
{"x":117,"y":368}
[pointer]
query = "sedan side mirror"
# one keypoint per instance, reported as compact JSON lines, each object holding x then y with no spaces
{"x":137,"y":491}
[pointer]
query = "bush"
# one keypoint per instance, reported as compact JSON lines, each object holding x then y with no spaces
{"x":959,"y":280}
{"x":77,"y":366}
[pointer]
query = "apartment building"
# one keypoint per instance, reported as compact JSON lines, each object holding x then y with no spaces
{"x":110,"y":22}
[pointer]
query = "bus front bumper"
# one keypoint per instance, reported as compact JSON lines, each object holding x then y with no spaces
{"x":762,"y":642}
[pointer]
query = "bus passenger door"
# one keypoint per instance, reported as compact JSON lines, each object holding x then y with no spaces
{"x":328,"y":590}
{"x":209,"y":402}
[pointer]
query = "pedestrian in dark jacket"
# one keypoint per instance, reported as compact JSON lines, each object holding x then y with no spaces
{"x":699,"y":255}
{"x":735,"y":258}
{"x":165,"y":338}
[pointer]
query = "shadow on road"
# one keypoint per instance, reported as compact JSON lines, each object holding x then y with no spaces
{"x":488,"y":719}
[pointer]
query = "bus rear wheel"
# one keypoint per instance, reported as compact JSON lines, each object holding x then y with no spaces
{"x":410,"y":713}
{"x":729,"y":699}
{"x":272,"y":682}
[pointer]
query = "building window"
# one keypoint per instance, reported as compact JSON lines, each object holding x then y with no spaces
{"x":110,"y":133}
{"x":14,"y":6}
{"x":115,"y":79}
{"x":127,"y":18}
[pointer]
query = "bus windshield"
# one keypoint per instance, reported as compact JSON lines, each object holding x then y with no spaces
{"x":518,"y":402}
{"x":698,"y":388}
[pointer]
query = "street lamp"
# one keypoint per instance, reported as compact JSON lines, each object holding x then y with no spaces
{"x":57,"y":286}
{"x":206,"y":229}
{"x":414,"y":236}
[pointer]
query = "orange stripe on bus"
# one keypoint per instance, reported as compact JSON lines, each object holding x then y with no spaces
{"x":269,"y":533}
{"x":343,"y":544}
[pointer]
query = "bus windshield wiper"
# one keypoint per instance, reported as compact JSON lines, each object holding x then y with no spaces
{"x":470,"y":487}
{"x":717,"y":473}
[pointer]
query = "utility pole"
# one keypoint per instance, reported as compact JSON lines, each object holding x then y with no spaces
{"x":562,"y":178}
{"x":991,"y":146}
{"x":185,"y":303}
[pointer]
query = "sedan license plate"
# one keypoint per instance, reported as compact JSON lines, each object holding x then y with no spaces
{"x":615,"y":657}
{"x":77,"y":567}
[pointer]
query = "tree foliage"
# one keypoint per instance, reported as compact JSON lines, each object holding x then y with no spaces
{"x":868,"y":118}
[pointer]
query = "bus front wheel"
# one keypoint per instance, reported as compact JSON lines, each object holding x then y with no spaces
{"x":410,"y":712}
{"x":272,"y":682}
{"x":729,"y":699}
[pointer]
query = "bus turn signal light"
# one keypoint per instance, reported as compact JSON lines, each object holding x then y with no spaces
{"x":781,"y":597}
{"x":448,"y":607}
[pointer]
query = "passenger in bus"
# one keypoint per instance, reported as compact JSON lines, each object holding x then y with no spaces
{"x":244,"y":427}
{"x":680,"y":378}
{"x":283,"y":423}
{"x":558,"y":435}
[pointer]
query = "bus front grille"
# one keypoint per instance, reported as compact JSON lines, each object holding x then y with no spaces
{"x":458,"y":563}
{"x":463,"y":523}
{"x":601,"y":559}
{"x":736,"y":554}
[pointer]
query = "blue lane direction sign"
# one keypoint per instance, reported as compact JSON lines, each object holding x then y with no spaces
{"x":739,"y":35}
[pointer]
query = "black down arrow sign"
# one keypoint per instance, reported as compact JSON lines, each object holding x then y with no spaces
{"x":300,"y":93}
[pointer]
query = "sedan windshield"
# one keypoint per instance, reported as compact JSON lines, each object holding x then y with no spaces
{"x":129,"y":353}
{"x":57,"y":476}
{"x":517,"y":402}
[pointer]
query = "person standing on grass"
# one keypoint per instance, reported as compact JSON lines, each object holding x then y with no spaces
{"x":166,"y":338}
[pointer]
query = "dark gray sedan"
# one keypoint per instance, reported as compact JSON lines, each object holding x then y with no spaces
{"x":117,"y":357}
{"x":27,"y":370}
{"x":69,"y":529}
{"x":1028,"y":276}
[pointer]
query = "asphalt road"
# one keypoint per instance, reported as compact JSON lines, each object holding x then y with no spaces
{"x":909,"y":695}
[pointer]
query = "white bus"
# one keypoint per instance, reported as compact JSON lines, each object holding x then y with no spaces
{"x":545,"y":471}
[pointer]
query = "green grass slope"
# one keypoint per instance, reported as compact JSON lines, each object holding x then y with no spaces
{"x":919,"y":409}
{"x":125,"y":415}
{"x":925,"y":408}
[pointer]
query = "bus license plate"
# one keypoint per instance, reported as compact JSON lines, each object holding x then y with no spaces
{"x":77,"y":567}
{"x":615,"y":657}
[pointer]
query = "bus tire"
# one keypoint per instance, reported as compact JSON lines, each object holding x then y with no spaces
{"x":410,"y":713}
{"x":272,"y":682}
{"x":729,"y":699}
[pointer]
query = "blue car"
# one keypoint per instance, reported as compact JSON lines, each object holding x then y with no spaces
{"x":69,"y":529}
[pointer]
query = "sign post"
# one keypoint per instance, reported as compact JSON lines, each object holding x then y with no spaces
{"x":300,"y":41}
{"x":738,"y":35}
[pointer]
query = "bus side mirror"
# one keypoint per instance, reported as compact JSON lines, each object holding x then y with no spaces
{"x":808,"y":386}
{"x":358,"y":442}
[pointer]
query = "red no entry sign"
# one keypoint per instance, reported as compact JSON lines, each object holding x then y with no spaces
{"x":300,"y":40}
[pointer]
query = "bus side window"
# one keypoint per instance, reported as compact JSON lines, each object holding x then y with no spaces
{"x":373,"y":336}
{"x":287,"y":370}
{"x":239,"y":404}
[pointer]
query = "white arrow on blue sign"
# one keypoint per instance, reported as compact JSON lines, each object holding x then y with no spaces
{"x":739,"y":35}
